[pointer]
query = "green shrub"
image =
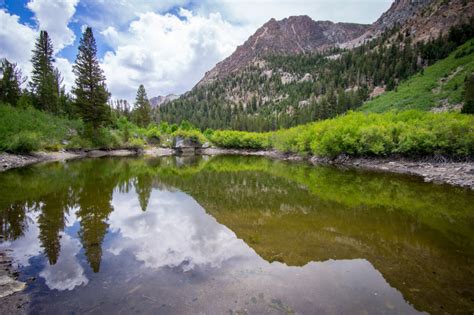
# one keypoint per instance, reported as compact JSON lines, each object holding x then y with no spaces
{"x":192,"y":135}
{"x":136,"y":143}
{"x":240,"y":139}
{"x":410,"y":133}
{"x":78,"y":143}
{"x":107,"y":139}
{"x":50,"y":130}
{"x":24,"y":142}
{"x":153,"y":134}
{"x":208,"y":133}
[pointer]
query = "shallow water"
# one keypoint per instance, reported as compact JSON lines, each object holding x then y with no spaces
{"x":236,"y":235}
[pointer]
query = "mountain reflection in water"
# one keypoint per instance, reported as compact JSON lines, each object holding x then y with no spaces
{"x":176,"y":235}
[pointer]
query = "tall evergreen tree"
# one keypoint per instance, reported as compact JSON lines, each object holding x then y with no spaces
{"x":10,"y":82}
{"x":44,"y":84}
{"x":142,"y":112}
{"x":90,"y":89}
{"x":468,"y":107}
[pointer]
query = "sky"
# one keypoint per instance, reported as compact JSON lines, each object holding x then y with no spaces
{"x":166,"y":45}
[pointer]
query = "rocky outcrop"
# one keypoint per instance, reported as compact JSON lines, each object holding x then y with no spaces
{"x":293,"y":35}
{"x":160,"y":100}
{"x":185,"y":145}
{"x":422,"y":19}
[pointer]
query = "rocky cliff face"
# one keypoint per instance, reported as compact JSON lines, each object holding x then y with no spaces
{"x":160,"y":100}
{"x":422,"y":19}
{"x":293,"y":35}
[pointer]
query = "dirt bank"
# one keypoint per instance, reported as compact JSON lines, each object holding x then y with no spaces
{"x":8,"y":161}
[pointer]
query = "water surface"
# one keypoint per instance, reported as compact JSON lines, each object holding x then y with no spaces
{"x":236,"y":235}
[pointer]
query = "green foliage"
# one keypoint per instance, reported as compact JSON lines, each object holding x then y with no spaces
{"x":79,"y":143}
{"x":24,"y":142}
{"x":90,"y":89}
{"x":142,"y":111}
{"x":49,"y":130}
{"x":107,"y":139}
{"x":410,"y":133}
{"x":10,"y":82}
{"x":136,"y":143}
{"x":208,"y":133}
{"x":468,"y":107}
{"x":439,"y":83}
{"x":240,"y":139}
{"x":192,"y":135}
{"x":45,"y":80}
{"x":153,"y":134}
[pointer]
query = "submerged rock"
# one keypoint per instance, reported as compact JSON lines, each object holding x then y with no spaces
{"x":8,"y":285}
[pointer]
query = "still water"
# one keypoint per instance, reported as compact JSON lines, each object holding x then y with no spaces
{"x":236,"y":235}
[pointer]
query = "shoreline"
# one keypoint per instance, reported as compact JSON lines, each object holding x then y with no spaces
{"x":459,"y":174}
{"x":14,"y":299}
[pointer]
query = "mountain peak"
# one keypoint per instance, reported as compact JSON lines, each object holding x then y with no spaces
{"x":293,"y":35}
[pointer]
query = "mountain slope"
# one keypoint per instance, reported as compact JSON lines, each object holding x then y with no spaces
{"x":290,"y":36}
{"x":160,"y":100}
{"x":275,"y":80}
{"x":439,"y":87}
{"x":422,"y":19}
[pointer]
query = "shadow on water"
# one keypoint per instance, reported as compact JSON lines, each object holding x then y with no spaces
{"x":93,"y":220}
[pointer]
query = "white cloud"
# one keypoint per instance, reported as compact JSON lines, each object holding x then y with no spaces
{"x":67,"y":273}
{"x":258,"y":12}
{"x":167,"y":53}
{"x":187,"y":235}
{"x":28,"y":245}
{"x":54,"y":17}
{"x":16,"y":41}
{"x":65,"y":67}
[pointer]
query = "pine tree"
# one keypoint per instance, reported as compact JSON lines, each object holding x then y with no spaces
{"x":90,"y":91}
{"x":10,"y":82}
{"x":142,"y":112}
{"x":468,"y":107}
{"x":44,"y":84}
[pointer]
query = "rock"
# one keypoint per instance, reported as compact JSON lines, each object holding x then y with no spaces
{"x":377,"y":91}
{"x":287,"y":78}
{"x":181,"y":143}
{"x":206,"y":145}
{"x":306,"y":78}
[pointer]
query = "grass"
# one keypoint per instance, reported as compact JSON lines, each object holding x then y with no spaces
{"x":438,"y":83}
{"x":24,"y":130}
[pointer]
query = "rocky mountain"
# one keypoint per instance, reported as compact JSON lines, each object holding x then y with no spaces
{"x":290,"y":36}
{"x":160,"y":100}
{"x":298,"y":70}
{"x":422,"y":19}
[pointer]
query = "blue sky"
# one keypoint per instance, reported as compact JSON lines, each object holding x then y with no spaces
{"x":166,"y":45}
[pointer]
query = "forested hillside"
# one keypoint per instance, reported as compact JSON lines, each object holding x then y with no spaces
{"x":439,"y":87}
{"x":287,"y":90}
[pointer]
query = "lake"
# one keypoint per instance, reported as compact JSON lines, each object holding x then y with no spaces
{"x":236,"y":235}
